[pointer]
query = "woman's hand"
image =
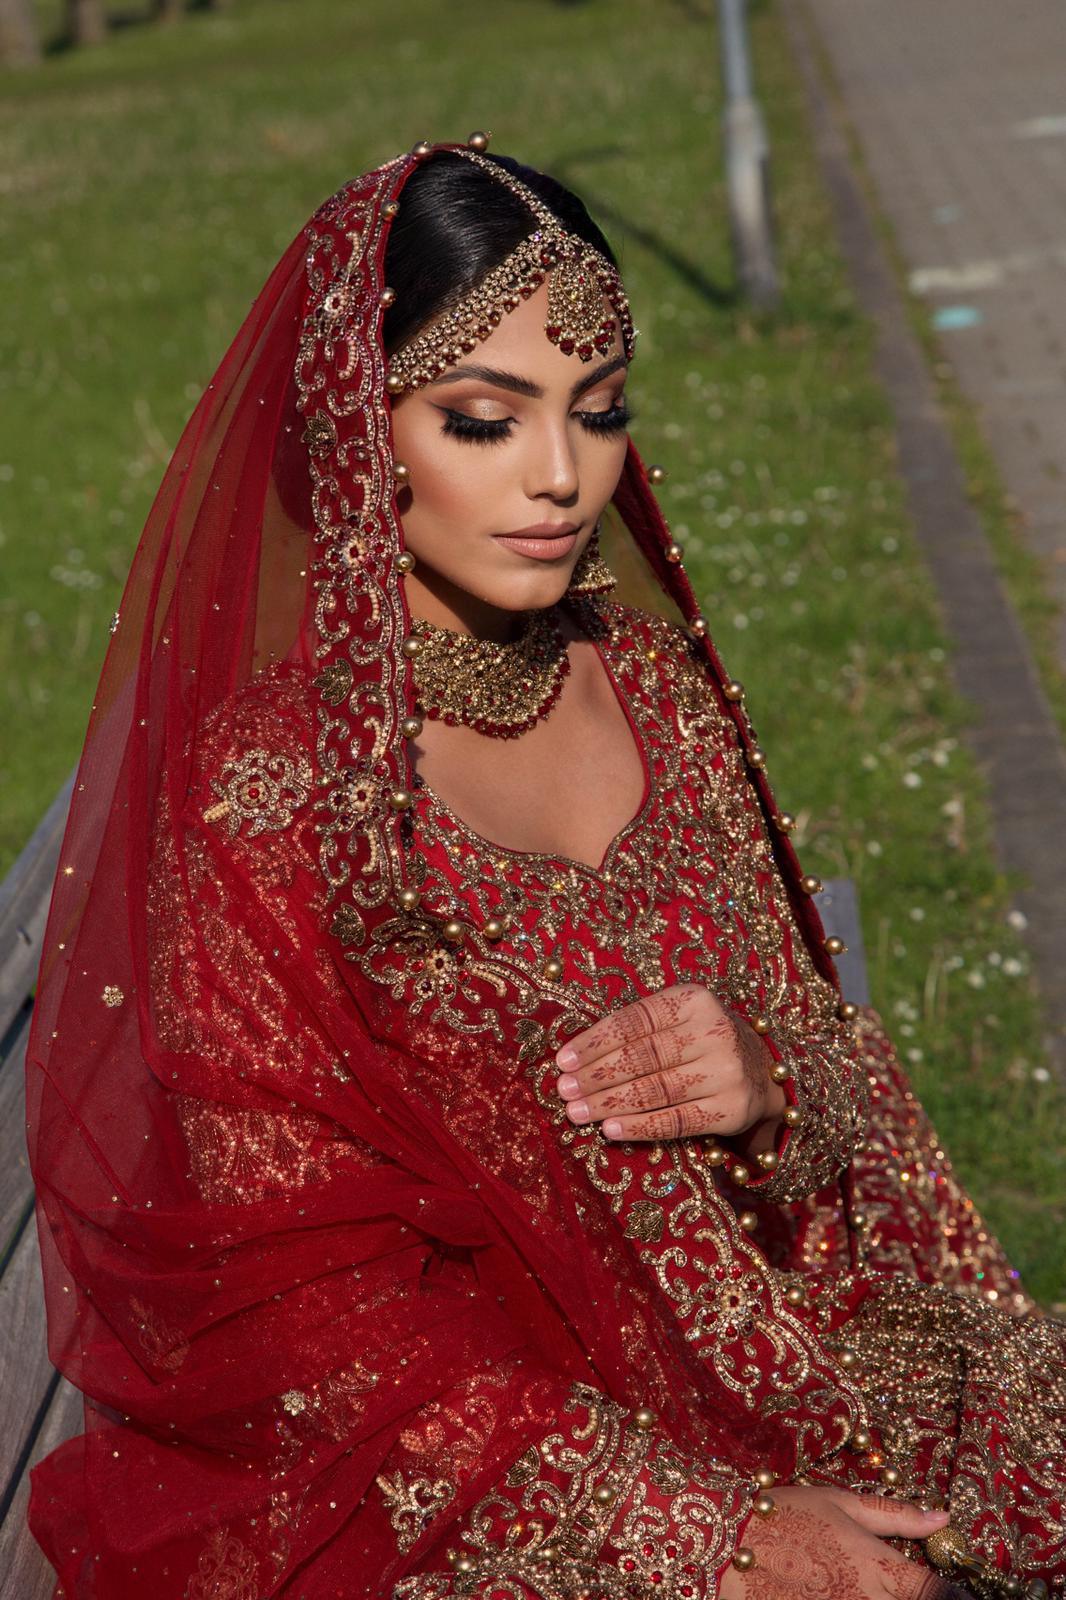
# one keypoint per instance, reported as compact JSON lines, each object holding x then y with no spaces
{"x":826,"y":1544}
{"x":675,"y":1064}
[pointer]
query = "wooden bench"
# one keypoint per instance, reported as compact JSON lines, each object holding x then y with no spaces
{"x":38,"y":1407}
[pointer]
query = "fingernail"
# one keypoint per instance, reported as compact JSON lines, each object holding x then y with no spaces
{"x":578,"y":1110}
{"x":567,"y":1086}
{"x":566,"y":1057}
{"x":612,"y":1127}
{"x":935,"y":1516}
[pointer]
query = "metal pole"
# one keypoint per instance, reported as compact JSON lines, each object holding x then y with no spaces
{"x":736,"y":67}
{"x":747,"y":156}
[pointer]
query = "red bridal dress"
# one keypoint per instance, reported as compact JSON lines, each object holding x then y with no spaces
{"x":355,"y":1307}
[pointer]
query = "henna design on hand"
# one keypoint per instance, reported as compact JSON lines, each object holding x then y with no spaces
{"x":677,"y":1122}
{"x":652,"y":1052}
{"x":800,"y":1557}
{"x":885,"y":1502}
{"x":903,"y":1580}
{"x":633,"y":1063}
{"x":645,"y":1016}
{"x":822,"y":1554}
{"x":651,"y":1092}
{"x":754,"y":1054}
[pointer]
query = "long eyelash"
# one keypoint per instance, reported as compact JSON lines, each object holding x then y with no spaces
{"x":476,"y":430}
{"x":616,"y":420}
{"x":481,"y":430}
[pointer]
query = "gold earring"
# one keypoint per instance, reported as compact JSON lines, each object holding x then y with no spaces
{"x":591,"y":575}
{"x":401,"y":472}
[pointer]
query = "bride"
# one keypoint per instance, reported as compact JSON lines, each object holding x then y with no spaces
{"x":458,"y":1170}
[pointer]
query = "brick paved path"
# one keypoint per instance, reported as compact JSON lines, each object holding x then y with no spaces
{"x":960,"y":108}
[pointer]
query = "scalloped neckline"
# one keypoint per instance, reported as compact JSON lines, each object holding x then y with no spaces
{"x":602,"y":869}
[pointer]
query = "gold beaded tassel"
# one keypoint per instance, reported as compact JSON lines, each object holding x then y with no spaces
{"x":947,"y":1552}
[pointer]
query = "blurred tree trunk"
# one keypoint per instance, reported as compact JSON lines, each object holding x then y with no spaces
{"x":169,"y":10}
{"x":19,"y":44}
{"x":86,"y":22}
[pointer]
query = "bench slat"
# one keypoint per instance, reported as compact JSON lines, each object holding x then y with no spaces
{"x":27,"y":1574}
{"x":25,"y":1370}
{"x":16,"y":1183}
{"x":24,"y":897}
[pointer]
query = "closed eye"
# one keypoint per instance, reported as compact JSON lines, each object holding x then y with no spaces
{"x":482,"y":430}
{"x":614,"y":420}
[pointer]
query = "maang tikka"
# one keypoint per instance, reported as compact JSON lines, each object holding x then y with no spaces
{"x":580,"y":279}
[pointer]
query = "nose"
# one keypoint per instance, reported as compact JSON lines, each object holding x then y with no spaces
{"x":552,"y":472}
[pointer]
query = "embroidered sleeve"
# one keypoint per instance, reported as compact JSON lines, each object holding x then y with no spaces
{"x":604,"y":1504}
{"x":828,"y":1103}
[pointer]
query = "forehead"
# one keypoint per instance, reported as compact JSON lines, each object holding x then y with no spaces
{"x":519,"y":344}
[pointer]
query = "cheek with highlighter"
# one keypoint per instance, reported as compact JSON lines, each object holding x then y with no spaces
{"x":479,"y":469}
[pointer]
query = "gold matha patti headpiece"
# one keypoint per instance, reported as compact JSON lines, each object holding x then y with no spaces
{"x":580,"y":280}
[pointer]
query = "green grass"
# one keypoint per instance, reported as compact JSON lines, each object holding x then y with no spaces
{"x":153,"y":183}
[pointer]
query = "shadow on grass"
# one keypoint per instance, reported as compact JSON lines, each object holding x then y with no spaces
{"x":714,"y":293}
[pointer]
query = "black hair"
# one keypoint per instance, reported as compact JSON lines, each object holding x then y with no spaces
{"x":456,"y":222}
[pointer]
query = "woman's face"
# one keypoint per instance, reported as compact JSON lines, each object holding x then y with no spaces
{"x":516,"y":440}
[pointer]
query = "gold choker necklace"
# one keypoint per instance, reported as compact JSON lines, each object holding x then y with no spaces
{"x":499,"y":689}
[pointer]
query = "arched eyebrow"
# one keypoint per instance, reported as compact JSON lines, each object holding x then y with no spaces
{"x":517,"y":385}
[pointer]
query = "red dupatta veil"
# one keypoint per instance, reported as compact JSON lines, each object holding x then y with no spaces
{"x":238,"y":1192}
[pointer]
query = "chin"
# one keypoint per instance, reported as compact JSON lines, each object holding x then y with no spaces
{"x":534,"y":593}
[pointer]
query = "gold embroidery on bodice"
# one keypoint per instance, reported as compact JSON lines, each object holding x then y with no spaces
{"x":687,"y":892}
{"x":680,"y":895}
